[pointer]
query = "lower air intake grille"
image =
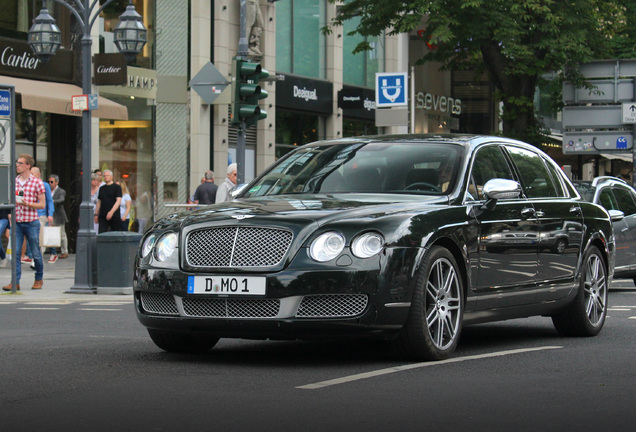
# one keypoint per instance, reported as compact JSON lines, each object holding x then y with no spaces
{"x":332,"y":306}
{"x":231,"y":308}
{"x":159,"y":303}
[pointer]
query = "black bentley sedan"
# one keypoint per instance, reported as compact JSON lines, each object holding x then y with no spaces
{"x":407,"y":238}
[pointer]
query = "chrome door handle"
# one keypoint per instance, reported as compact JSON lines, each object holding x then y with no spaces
{"x":540,"y":213}
{"x":527,"y":212}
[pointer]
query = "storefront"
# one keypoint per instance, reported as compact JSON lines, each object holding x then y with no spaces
{"x":302,"y":105}
{"x":46,"y":127}
{"x":358,"y":108}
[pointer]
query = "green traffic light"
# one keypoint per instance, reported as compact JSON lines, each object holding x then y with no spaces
{"x":246,"y":92}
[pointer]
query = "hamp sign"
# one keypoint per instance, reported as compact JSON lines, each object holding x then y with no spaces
{"x":391,"y":89}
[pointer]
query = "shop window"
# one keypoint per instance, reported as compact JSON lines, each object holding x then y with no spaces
{"x":360,"y":69}
{"x":125,"y":148}
{"x":300,"y":45}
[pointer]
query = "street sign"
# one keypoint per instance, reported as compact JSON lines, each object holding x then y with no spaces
{"x":5,"y":103}
{"x":629,"y":112}
{"x":391,"y":89}
{"x":79,"y":102}
{"x":209,"y":83}
{"x":93,"y":101}
{"x":596,"y":142}
{"x":592,"y":117}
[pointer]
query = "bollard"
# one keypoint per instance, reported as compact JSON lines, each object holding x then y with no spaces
{"x":115,"y":261}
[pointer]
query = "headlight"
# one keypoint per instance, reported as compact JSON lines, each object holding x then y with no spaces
{"x":367,"y":245}
{"x":147,"y":246}
{"x":327,"y":246}
{"x":166,"y":246}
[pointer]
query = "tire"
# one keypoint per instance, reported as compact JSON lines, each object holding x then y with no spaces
{"x":586,"y":314}
{"x":178,"y":342}
{"x":435,"y":319}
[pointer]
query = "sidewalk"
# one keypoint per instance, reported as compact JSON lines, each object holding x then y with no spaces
{"x":59,"y":277}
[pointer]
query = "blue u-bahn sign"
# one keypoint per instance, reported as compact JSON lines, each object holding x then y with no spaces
{"x":391,"y":89}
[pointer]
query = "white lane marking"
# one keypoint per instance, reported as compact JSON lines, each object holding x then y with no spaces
{"x":38,"y":308}
{"x":98,"y":309}
{"x":618,"y":309}
{"x":386,"y":371}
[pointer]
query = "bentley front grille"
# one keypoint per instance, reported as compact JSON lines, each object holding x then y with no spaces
{"x":231,"y":308}
{"x":332,"y":305}
{"x":237,"y":247}
{"x":159,"y":303}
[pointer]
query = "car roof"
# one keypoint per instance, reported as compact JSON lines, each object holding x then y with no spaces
{"x":465,"y":140}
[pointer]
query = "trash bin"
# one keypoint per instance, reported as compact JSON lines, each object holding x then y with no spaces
{"x":115,"y":261}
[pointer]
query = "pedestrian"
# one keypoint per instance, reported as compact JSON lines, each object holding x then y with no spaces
{"x":45,"y":216}
{"x":30,"y":196}
{"x":59,"y":216}
{"x":125,"y":206}
{"x":191,"y":200}
{"x":206,"y":191}
{"x":108,"y":200}
{"x":4,"y":223}
{"x":95,"y":185}
{"x":222,"y":193}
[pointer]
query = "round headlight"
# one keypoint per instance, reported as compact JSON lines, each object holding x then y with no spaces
{"x":166,"y":246}
{"x":147,"y":246}
{"x":367,"y":245}
{"x":327,"y":246}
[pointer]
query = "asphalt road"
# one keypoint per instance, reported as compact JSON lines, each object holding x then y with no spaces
{"x":90,"y":366}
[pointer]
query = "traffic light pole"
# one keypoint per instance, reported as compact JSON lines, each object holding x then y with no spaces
{"x":240,"y":140}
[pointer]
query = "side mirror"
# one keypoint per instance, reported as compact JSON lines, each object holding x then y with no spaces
{"x":616,"y":215}
{"x":496,"y":189}
{"x":236,"y":190}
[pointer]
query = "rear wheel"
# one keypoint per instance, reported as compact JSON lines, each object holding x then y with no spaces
{"x":434,"y":324}
{"x":585,"y":316}
{"x":181,"y":342}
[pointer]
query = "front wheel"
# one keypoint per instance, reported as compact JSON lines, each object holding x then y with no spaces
{"x":435,"y":320}
{"x":181,"y":342}
{"x":586,"y":314}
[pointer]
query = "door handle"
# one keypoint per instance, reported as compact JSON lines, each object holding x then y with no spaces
{"x":576,"y":210}
{"x":540,"y":213}
{"x":527,"y":212}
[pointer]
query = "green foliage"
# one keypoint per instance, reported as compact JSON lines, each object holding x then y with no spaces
{"x":514,"y":41}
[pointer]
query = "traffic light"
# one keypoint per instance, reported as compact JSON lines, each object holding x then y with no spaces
{"x":246,"y":91}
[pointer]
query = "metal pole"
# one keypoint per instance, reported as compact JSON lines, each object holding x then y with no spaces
{"x":240,"y":140}
{"x":86,"y":237}
{"x":634,"y":139}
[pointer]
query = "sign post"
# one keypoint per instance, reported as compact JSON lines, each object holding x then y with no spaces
{"x":7,"y":165}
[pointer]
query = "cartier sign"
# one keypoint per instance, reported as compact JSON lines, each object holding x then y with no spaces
{"x":17,"y":59}
{"x":109,"y":69}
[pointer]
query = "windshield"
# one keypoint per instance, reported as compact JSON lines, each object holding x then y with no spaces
{"x":407,"y":168}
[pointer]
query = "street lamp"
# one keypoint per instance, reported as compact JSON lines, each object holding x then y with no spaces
{"x":44,"y":39}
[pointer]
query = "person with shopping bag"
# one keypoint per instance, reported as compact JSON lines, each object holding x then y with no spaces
{"x":59,"y":216}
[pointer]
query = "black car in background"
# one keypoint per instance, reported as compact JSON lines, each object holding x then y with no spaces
{"x":619,"y":198}
{"x":407,"y":238}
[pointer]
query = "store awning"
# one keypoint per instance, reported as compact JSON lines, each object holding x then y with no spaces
{"x":627,"y":157}
{"x":55,"y":98}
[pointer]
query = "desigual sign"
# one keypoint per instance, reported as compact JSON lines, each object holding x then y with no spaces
{"x":442,"y":104}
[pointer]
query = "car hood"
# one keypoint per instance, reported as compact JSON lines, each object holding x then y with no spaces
{"x":305,"y":209}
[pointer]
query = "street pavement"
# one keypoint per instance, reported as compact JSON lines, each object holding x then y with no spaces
{"x":59,"y":279}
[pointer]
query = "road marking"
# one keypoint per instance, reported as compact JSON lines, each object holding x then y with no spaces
{"x":387,"y":371}
{"x":98,"y":309}
{"x":38,"y":308}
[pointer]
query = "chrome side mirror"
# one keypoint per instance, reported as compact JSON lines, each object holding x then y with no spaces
{"x":616,"y":215}
{"x":496,"y":189}
{"x":236,"y":190}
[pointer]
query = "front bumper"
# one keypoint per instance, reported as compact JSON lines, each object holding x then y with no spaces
{"x":371,"y":297}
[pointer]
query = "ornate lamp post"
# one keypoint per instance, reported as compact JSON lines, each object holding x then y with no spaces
{"x":44,"y":39}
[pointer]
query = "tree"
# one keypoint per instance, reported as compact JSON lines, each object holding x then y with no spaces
{"x":515,"y":41}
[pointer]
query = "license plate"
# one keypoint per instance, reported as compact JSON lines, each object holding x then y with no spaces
{"x":226,"y":285}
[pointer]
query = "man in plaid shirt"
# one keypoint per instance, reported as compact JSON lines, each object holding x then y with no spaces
{"x":29,"y":198}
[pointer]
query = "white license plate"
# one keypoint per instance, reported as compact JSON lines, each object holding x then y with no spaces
{"x":226,"y":285}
